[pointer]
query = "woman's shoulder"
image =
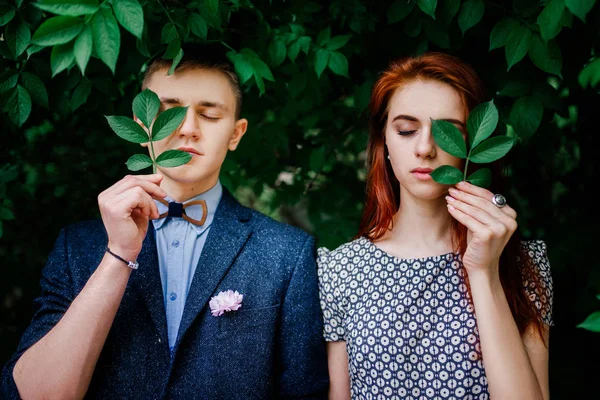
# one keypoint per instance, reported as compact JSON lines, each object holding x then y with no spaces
{"x":535,"y":251}
{"x":345,"y":250}
{"x":537,"y":277}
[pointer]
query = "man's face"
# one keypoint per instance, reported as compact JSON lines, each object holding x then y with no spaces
{"x":208,"y":131}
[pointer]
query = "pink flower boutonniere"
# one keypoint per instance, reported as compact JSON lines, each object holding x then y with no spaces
{"x":225,"y":302}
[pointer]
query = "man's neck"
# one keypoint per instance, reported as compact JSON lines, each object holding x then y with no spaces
{"x":183,"y":192}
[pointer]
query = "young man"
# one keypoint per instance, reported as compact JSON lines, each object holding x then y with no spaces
{"x":104,"y":330}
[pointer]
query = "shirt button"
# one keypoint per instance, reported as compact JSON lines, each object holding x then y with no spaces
{"x":175,"y":243}
{"x":173,"y":296}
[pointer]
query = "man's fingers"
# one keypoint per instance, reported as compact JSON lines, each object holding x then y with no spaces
{"x":149,"y":183}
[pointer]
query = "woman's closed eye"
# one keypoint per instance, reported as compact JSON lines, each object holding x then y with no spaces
{"x":406,"y":133}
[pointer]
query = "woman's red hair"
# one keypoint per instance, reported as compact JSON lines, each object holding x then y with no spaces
{"x":383,"y":189}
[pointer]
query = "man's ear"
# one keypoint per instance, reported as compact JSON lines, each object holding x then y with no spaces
{"x":240,"y":128}
{"x":139,"y":122}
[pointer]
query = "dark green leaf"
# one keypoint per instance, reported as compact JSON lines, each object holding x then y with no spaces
{"x":36,"y":88}
{"x":173,"y":158}
{"x":34,"y":48}
{"x":591,"y":323}
{"x":446,"y":11}
{"x":18,"y":106}
{"x":470,"y":14}
{"x":589,"y":75}
{"x":428,"y":7}
{"x":447,"y":175}
{"x":169,"y":33}
{"x":146,"y":106}
{"x":175,"y":63}
{"x":261,"y":69}
{"x":580,"y":8}
{"x":260,"y":83}
{"x":549,"y":19}
{"x":296,"y":29}
{"x":449,"y":138}
{"x":304,"y":43}
{"x":337,"y":42}
{"x":17,"y":36}
{"x":6,"y":214}
{"x":58,"y":30}
{"x":211,"y":13}
{"x":81,"y":94}
{"x":130,"y":15}
{"x":277,"y":52}
{"x":482,"y":122}
{"x":107,"y":38}
{"x":172,"y":50}
{"x":526,"y":115}
{"x":482,"y":178}
{"x":138,"y":162}
{"x":7,"y":13}
{"x":167,"y":121}
{"x":517,"y":88}
{"x":72,"y":8}
{"x":294,"y":50}
{"x":545,"y":56}
{"x":413,"y":25}
{"x":198,"y":25}
{"x":1,"y":229}
{"x":321,"y":60}
{"x":142,"y":47}
{"x":338,"y":63}
{"x":127,"y":129}
{"x":501,"y":31}
{"x":517,"y":45}
{"x":83,"y":48}
{"x":317,"y":159}
{"x":61,"y":58}
{"x":399,"y":10}
{"x":8,"y":80}
{"x":324,"y":36}
{"x":242,"y":66}
{"x":436,"y":33}
{"x":491,"y":149}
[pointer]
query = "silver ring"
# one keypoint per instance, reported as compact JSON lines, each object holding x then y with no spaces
{"x":499,"y":200}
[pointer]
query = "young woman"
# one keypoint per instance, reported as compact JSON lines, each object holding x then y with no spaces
{"x":436,"y":297}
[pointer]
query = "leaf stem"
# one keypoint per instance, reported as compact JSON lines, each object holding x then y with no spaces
{"x":228,"y":46}
{"x":170,"y":19}
{"x":466,"y":166}
{"x":153,"y":156}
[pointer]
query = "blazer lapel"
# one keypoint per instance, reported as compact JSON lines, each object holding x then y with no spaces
{"x":147,"y":280}
{"x":228,"y":234}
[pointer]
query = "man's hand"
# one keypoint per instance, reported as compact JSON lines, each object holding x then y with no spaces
{"x":126,"y":208}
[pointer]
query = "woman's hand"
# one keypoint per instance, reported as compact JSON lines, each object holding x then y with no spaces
{"x":490,"y":227}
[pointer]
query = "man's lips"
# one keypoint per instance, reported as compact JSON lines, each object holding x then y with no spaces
{"x":190,"y":150}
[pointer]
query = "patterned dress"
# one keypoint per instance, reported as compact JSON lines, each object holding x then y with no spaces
{"x":409,"y":324}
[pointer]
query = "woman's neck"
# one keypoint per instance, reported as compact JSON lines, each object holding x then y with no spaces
{"x":421,"y":228}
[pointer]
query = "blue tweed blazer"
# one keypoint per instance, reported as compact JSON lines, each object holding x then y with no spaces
{"x":272,"y":348}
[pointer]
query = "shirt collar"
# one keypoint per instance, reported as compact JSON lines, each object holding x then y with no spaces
{"x":212,"y":197}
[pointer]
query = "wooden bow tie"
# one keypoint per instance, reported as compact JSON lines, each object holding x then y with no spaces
{"x":178,"y":210}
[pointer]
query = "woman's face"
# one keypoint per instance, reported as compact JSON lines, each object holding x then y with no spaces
{"x":413,"y":152}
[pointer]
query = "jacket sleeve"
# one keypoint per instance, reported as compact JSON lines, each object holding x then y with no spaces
{"x":303,"y":372}
{"x":56,"y":297}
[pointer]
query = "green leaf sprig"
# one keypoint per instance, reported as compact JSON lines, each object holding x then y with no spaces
{"x":481,"y":124}
{"x":156,"y":126}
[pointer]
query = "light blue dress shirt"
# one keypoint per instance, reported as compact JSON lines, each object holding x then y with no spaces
{"x":179,"y":244}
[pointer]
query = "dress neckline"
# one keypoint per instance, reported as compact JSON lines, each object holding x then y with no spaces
{"x":374,"y":247}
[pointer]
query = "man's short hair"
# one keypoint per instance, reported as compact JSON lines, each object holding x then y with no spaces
{"x":201,"y":56}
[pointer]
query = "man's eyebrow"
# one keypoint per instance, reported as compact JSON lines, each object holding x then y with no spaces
{"x":414,"y":119}
{"x":208,"y":104}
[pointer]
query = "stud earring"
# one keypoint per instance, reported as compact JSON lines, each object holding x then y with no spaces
{"x":388,"y":157}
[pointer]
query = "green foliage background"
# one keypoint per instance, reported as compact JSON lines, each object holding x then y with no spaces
{"x":307,"y":67}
